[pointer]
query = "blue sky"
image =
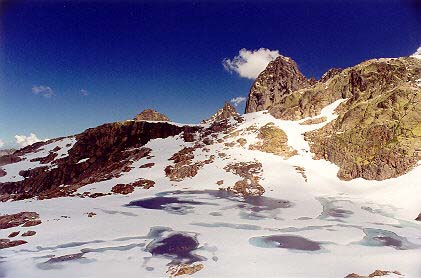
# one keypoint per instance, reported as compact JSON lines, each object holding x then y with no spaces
{"x":67,"y":66}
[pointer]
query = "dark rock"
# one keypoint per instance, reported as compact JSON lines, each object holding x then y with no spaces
{"x":129,"y":188}
{"x":31,"y":223}
{"x":17,"y":219}
{"x":147,"y":165}
{"x":47,"y":159}
{"x":29,"y":233}
{"x":14,"y":234}
{"x":122,"y":188}
{"x":7,"y":243}
{"x":9,"y":159}
{"x":97,"y":194}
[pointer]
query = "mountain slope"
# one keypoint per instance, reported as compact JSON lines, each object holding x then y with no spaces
{"x":231,"y":197}
{"x":58,"y":167}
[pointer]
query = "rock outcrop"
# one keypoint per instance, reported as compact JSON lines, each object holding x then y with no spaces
{"x":376,"y":273}
{"x":377,"y":134}
{"x":183,"y":166}
{"x":151,"y":115}
{"x":7,"y":243}
{"x":183,"y":269}
{"x":280,"y":78}
{"x":26,"y":219}
{"x":129,"y":188}
{"x":273,"y":140}
{"x":250,"y":172}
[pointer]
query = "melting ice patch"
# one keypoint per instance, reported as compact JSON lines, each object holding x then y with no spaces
{"x":291,"y":242}
{"x":169,"y":204}
{"x":184,"y":202}
{"x":380,"y":238}
{"x":178,"y":247}
{"x":332,"y":210}
{"x":57,"y":262}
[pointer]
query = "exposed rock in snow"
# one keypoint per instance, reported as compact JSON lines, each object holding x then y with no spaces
{"x":183,"y":269}
{"x":27,"y":219}
{"x":377,"y":273}
{"x":273,"y":140}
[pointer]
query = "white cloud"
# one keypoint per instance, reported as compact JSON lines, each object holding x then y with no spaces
{"x":84,"y":92}
{"x":42,"y":90}
{"x":238,"y":100}
{"x":249,"y":63}
{"x":23,"y":140}
{"x":1,"y":143}
{"x":417,"y":53}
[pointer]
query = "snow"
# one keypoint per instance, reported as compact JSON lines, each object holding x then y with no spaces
{"x":325,"y":209}
{"x":83,"y":160}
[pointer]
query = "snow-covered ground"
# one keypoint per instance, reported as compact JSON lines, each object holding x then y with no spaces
{"x":327,"y":227}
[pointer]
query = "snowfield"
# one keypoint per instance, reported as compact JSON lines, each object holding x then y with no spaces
{"x":324,"y":227}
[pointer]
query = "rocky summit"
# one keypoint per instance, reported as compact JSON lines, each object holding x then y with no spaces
{"x":280,"y":78}
{"x":151,"y":115}
{"x":316,"y":170}
{"x":226,"y":112}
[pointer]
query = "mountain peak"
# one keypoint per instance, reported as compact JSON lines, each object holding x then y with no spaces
{"x":227,"y":111}
{"x":151,"y":115}
{"x":281,"y":77}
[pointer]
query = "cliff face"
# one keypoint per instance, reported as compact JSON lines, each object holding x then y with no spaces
{"x":280,"y":78}
{"x":377,"y":134}
{"x":99,"y":153}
